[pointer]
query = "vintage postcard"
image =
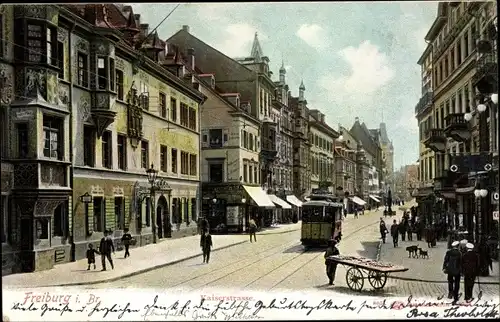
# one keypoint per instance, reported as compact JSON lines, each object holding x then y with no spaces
{"x":249,"y":161}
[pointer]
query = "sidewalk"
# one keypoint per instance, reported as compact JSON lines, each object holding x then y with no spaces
{"x":424,"y":270}
{"x":143,"y":259}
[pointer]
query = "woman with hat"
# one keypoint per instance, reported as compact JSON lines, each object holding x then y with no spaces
{"x":470,"y":265}
{"x":331,"y":268}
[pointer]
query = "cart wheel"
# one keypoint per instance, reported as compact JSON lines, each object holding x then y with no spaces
{"x":354,"y":278}
{"x":377,"y":279}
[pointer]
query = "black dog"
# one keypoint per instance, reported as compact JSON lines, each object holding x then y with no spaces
{"x":412,"y":251}
{"x":423,"y":253}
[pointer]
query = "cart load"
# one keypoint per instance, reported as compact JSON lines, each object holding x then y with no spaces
{"x":375,"y":271}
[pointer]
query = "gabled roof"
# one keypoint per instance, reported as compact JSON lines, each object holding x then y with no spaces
{"x":185,"y":34}
{"x":256,"y":52}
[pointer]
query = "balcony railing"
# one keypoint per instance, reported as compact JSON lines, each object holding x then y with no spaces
{"x":487,"y":64}
{"x":434,"y":133}
{"x":455,"y":119}
{"x":424,"y":102}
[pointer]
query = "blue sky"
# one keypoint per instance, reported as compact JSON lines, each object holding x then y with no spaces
{"x":357,"y":59}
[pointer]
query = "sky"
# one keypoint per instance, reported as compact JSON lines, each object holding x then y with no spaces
{"x":356,"y":59}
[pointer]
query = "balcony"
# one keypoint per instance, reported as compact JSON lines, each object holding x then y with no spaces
{"x":457,"y":127}
{"x":445,"y":181}
{"x":424,"y":102}
{"x":486,"y":76}
{"x":435,"y":140}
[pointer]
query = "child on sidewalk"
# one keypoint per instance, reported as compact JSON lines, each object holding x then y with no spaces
{"x":91,"y":256}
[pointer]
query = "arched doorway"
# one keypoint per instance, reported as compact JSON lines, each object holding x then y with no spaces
{"x":163,"y":224}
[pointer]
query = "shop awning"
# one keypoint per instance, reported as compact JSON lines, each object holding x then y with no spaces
{"x":374,"y":198}
{"x":280,"y":202}
{"x":259,"y":196}
{"x":358,"y":200}
{"x":294,"y":200}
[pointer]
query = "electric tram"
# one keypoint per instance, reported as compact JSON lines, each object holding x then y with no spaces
{"x":321,"y":219}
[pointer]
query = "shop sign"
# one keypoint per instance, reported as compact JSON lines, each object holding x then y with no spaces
{"x":232,"y":215}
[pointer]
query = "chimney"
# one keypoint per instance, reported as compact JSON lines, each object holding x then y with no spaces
{"x":144,"y":27}
{"x":356,"y":119}
{"x":322,"y":118}
{"x":185,"y":28}
{"x":137,"y":18}
{"x":190,"y":54}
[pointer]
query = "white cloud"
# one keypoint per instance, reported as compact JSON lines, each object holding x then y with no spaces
{"x":238,"y":40}
{"x":212,"y":11}
{"x":408,"y":122}
{"x":313,"y":35}
{"x":370,"y":70}
{"x":288,"y":68}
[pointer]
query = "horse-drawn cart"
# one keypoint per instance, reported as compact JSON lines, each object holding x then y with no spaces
{"x":376,"y":272}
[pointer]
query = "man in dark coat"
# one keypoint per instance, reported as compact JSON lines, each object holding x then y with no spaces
{"x":331,"y":268}
{"x":383,"y":230}
{"x":105,"y":248}
{"x":452,"y":266}
{"x":126,"y":240}
{"x":206,"y":245}
{"x":470,"y":266}
{"x":395,"y":233}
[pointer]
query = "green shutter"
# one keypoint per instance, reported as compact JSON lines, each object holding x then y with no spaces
{"x":126,"y":212}
{"x":90,"y":218}
{"x":110,"y":213}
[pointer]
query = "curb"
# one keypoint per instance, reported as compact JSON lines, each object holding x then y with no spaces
{"x":379,"y":250}
{"x":141,"y":271}
{"x":278,"y":232}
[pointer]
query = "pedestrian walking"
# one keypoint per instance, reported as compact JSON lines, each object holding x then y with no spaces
{"x":126,"y":239}
{"x":105,"y":248}
{"x":206,"y":245}
{"x":331,"y":268}
{"x":402,"y":229}
{"x":252,"y":229}
{"x":395,"y":233}
{"x":383,"y":230}
{"x":470,"y":266}
{"x":452,"y":266}
{"x":91,"y":251}
{"x":355,"y":212}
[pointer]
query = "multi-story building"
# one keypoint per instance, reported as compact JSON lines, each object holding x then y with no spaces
{"x":387,"y":156}
{"x":100,"y":106}
{"x":230,"y":147}
{"x":251,"y":78}
{"x":373,"y":155}
{"x":301,"y":145}
{"x":322,"y":138}
{"x":283,"y":116}
{"x":424,"y":115}
{"x":453,"y":38}
{"x":346,"y":150}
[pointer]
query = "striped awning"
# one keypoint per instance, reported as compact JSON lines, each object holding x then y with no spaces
{"x":374,"y":198}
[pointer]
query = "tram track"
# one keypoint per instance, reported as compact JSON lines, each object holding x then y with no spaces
{"x":252,"y":263}
{"x":351,"y":234}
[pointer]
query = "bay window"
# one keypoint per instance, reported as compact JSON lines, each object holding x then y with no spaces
{"x":53,"y":137}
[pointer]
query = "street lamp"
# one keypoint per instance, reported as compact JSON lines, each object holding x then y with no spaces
{"x":494,"y":98}
{"x":152,"y":174}
{"x":214,"y":201}
{"x":244,"y":219}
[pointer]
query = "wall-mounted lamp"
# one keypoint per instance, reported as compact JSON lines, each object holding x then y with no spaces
{"x":480,"y":193}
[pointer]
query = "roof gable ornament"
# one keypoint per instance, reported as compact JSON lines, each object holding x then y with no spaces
{"x":256,"y":53}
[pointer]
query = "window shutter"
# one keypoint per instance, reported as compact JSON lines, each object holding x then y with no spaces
{"x":126,"y":212}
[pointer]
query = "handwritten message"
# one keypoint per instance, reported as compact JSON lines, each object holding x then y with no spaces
{"x":113,"y":305}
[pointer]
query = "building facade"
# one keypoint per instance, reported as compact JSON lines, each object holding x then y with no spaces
{"x":302,"y":167}
{"x":346,"y":151}
{"x":322,"y":138}
{"x":463,"y":41}
{"x":387,"y":156}
{"x":92,"y":116}
{"x":230,"y":156}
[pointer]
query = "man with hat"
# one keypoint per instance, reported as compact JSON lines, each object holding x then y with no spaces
{"x":452,"y":266}
{"x":470,"y":264}
{"x":331,"y":268}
